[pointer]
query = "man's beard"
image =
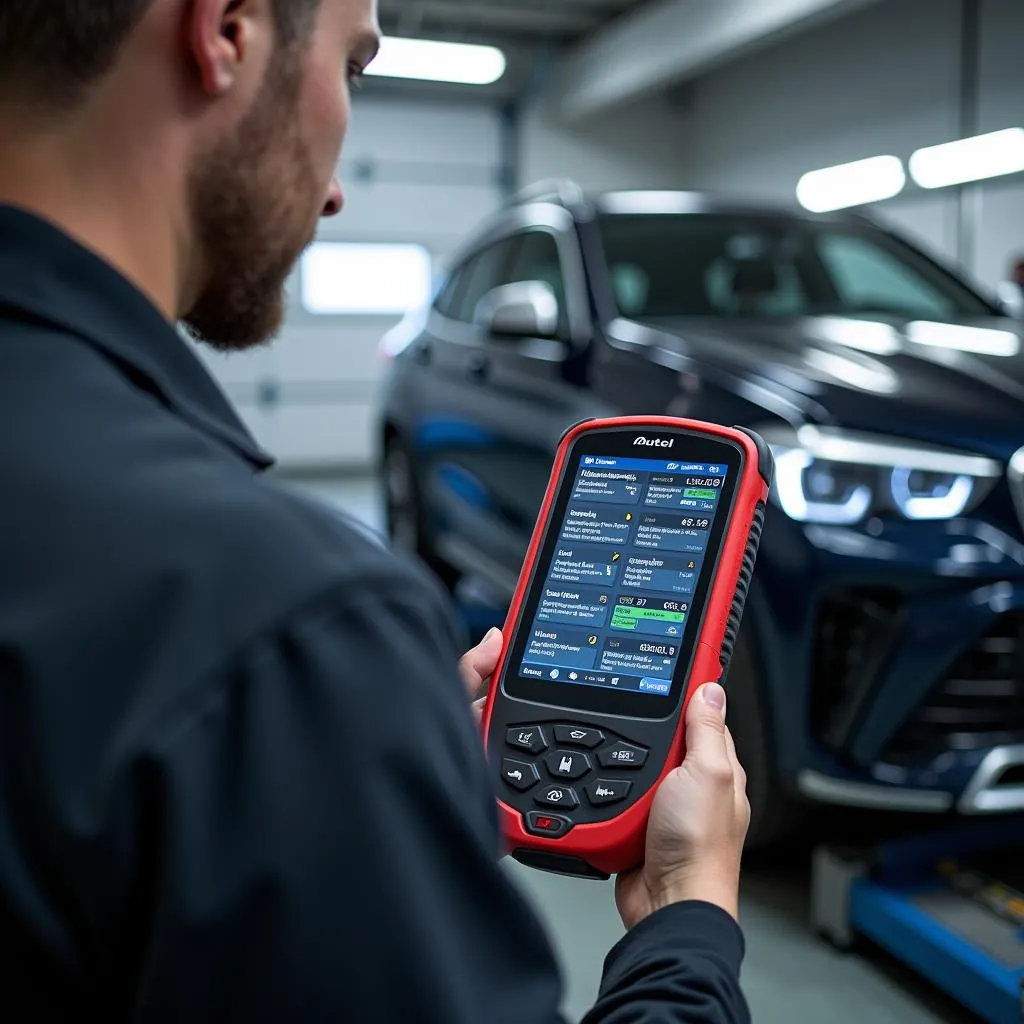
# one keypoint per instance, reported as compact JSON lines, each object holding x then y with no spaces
{"x":251,"y":208}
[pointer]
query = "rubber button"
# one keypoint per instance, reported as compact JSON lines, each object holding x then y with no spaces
{"x":568,"y":764}
{"x":577,"y":736}
{"x":519,"y":775}
{"x":527,"y":737}
{"x":552,"y":826}
{"x":608,"y":791}
{"x":558,"y":796}
{"x":623,"y":755}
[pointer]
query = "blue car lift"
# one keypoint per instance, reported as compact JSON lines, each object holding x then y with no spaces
{"x":950,"y":905}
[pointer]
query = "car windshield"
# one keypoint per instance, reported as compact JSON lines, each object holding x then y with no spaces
{"x":718,"y":265}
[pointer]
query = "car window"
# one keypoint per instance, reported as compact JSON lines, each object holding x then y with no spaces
{"x":445,"y":301}
{"x":728,"y":265}
{"x":482,"y":273}
{"x":632,"y":286}
{"x":537,"y":259}
{"x":871,"y":280}
{"x":755,"y":284}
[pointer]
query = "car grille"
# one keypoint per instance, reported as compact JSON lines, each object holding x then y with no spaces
{"x":979,"y":703}
{"x":857,"y":629}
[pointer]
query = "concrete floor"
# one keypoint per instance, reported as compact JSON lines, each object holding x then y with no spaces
{"x":789,"y":974}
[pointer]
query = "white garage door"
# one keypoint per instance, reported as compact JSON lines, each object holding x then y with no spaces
{"x":418,"y":177}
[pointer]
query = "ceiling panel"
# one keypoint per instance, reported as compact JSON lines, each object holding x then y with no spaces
{"x":532,"y":33}
{"x":564,"y":20}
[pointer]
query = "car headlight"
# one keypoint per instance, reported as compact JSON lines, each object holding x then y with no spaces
{"x":831,"y":476}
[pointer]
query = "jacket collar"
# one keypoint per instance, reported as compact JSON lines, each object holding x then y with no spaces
{"x":49,"y":276}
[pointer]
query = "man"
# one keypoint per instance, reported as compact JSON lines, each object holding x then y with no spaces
{"x":239,"y":777}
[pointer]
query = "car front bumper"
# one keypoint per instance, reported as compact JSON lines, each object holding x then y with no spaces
{"x":893,"y":661}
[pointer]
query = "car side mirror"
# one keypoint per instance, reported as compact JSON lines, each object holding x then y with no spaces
{"x":523,"y":309}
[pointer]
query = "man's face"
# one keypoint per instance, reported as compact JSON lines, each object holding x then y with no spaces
{"x":257,"y":197}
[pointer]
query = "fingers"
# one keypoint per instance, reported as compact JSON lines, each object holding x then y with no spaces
{"x":739,"y":775}
{"x":478,"y":664}
{"x":730,"y":746}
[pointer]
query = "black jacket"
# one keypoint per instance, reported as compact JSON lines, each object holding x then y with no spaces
{"x":239,"y":777}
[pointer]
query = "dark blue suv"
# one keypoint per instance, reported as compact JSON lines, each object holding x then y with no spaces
{"x":881,"y":663}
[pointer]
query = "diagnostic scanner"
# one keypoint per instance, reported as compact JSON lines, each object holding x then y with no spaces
{"x":630,"y":598}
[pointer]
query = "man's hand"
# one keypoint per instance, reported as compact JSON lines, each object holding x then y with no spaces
{"x":477,"y":666}
{"x":698,"y":822}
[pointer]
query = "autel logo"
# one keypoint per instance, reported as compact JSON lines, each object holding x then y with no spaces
{"x":654,"y":442}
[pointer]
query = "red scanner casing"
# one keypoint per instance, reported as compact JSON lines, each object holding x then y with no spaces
{"x":609,"y":847}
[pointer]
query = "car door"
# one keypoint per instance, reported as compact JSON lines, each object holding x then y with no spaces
{"x":521,"y":393}
{"x":453,"y":440}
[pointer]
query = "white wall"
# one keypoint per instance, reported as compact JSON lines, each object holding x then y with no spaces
{"x":885,"y":80}
{"x":1001,"y":106}
{"x":435,"y":174}
{"x":639,"y":146}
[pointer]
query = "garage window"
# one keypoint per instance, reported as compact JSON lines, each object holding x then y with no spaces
{"x":367,"y":279}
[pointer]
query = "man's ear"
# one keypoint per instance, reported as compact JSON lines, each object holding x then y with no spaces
{"x":223,"y":35}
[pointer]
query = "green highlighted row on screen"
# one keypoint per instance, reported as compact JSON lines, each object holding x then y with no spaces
{"x":625,"y":617}
{"x":700,"y":492}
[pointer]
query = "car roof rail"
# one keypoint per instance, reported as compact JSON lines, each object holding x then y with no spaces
{"x":563,"y":191}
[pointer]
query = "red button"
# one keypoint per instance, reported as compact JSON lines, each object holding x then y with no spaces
{"x":551,"y":826}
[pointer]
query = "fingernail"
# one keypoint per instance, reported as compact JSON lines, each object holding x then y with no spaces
{"x":492,"y":634}
{"x":715,"y":696}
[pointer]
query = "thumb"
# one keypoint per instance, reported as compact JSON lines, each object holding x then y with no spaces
{"x":705,"y":721}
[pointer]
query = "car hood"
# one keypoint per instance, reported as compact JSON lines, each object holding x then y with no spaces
{"x":961,"y":382}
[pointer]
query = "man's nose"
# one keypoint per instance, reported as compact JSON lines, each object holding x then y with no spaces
{"x":335,"y":199}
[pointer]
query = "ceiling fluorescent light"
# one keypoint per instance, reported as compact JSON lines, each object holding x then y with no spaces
{"x":854,"y":184}
{"x":982,"y":156}
{"x":982,"y":340}
{"x":651,"y":202}
{"x":427,"y":60}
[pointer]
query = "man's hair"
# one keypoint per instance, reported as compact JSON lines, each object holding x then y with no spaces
{"x":52,"y":51}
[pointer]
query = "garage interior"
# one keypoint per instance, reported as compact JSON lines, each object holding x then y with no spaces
{"x":737,"y":97}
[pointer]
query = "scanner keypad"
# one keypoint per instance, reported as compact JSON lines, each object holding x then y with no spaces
{"x":566,"y":766}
